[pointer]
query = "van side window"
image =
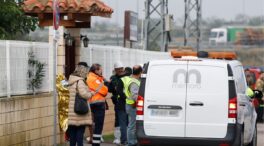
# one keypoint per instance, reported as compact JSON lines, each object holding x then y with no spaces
{"x":240,"y":80}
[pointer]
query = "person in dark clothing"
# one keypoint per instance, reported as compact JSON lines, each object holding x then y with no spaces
{"x":114,"y":80}
{"x":122,"y":115}
{"x":128,"y":71}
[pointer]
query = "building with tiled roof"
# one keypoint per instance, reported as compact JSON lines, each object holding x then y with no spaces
{"x":78,"y":12}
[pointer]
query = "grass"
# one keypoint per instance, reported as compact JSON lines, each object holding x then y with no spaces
{"x":108,"y":138}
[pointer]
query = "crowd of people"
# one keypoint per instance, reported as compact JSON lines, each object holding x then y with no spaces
{"x":260,"y":86}
{"x":256,"y":83}
{"x":89,"y":83}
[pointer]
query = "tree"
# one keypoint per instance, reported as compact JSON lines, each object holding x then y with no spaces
{"x":36,"y":72}
{"x":14,"y":21}
{"x":256,"y":21}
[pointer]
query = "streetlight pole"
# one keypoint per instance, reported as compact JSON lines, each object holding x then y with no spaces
{"x":56,"y":18}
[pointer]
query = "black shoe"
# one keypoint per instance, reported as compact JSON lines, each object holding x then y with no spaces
{"x":122,"y":144}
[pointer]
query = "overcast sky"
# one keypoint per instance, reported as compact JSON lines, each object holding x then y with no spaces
{"x":227,"y":9}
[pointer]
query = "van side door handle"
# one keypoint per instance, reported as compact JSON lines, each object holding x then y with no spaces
{"x":196,"y":103}
{"x":242,"y":104}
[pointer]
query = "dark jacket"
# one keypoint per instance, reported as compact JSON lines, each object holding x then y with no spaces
{"x":116,"y":88}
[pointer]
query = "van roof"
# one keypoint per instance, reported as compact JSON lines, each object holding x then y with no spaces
{"x":204,"y":61}
{"x":204,"y":54}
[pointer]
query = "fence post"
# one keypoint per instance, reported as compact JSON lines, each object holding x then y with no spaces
{"x":121,"y":54}
{"x":104,"y":65}
{"x":111,"y":60}
{"x":34,"y":47}
{"x":90,"y":53}
{"x":8,"y":81}
{"x":132,"y":61}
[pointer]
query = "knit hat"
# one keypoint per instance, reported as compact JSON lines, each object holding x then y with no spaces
{"x":83,"y":64}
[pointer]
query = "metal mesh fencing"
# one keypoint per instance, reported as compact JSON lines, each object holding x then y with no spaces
{"x":14,"y":63}
{"x":108,"y":55}
{"x":14,"y":66}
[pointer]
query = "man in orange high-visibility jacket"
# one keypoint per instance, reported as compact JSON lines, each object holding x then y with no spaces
{"x":95,"y":83}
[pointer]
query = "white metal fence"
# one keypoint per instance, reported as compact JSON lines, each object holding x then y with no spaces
{"x":14,"y":66}
{"x":14,"y":62}
{"x":108,"y":55}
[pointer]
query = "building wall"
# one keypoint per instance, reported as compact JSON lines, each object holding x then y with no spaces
{"x":109,"y":122}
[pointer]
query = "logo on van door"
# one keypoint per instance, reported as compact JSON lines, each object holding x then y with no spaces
{"x":194,"y":79}
{"x":180,"y":79}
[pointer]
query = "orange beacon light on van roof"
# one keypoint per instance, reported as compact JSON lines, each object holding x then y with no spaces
{"x":222,"y":55}
{"x":180,"y":54}
{"x":203,"y":54}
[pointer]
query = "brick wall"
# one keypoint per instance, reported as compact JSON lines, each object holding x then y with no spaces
{"x":27,"y":120}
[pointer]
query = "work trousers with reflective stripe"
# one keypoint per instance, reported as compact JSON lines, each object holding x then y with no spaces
{"x":98,"y":110}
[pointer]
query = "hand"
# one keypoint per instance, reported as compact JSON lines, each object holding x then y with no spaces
{"x":93,"y":93}
{"x":134,"y":105}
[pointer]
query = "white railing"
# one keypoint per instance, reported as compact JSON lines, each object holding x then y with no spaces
{"x":108,"y":55}
{"x":14,"y":63}
{"x":14,"y":66}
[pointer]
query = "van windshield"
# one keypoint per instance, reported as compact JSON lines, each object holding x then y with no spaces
{"x":213,"y":34}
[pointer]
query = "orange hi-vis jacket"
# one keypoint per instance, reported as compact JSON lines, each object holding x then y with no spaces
{"x":96,"y":83}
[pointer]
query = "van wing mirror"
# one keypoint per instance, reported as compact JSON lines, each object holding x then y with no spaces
{"x":258,"y":94}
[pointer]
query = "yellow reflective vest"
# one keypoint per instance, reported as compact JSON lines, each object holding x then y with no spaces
{"x":127,"y":81}
{"x":250,"y":92}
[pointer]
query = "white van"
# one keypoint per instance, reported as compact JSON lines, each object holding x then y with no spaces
{"x":195,"y":101}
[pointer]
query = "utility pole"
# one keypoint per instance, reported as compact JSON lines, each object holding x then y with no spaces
{"x":192,"y":22}
{"x":154,"y":29}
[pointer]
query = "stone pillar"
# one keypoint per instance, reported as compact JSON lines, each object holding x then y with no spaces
{"x":60,"y":53}
{"x":74,"y":32}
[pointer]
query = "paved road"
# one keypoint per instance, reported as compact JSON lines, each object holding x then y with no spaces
{"x":103,"y":144}
{"x":260,"y":137}
{"x":260,"y":134}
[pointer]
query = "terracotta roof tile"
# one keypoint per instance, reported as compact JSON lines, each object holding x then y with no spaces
{"x":95,"y":7}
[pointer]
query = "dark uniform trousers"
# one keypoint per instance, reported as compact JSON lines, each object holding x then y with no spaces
{"x":98,"y":110}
